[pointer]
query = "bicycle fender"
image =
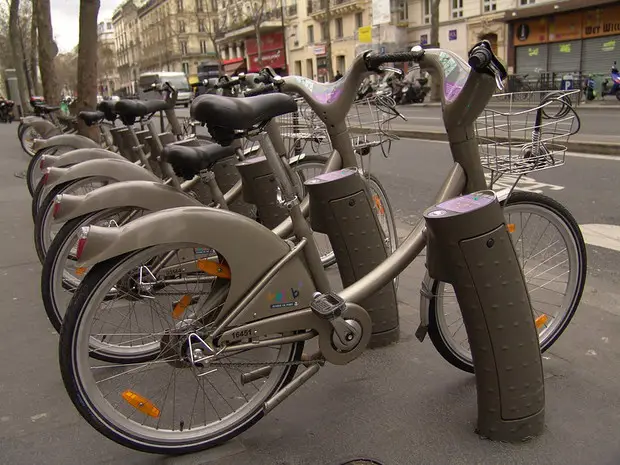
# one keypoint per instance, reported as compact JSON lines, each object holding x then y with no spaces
{"x":250,"y":250}
{"x":26,"y":120}
{"x":66,"y":140}
{"x":74,"y":157}
{"x":44,"y":128}
{"x":144,"y":195}
{"x":116,"y":170}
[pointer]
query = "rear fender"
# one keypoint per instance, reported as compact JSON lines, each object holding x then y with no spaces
{"x":144,"y":195}
{"x":26,"y":120}
{"x":74,"y":157}
{"x":249,"y":248}
{"x":44,"y":128}
{"x":427,"y":289}
{"x":116,"y":170}
{"x":66,"y":140}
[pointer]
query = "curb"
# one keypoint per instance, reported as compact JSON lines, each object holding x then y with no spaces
{"x":599,"y":148}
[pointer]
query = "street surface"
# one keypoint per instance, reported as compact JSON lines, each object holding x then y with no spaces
{"x":403,"y":405}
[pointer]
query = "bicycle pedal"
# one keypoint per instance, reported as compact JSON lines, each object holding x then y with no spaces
{"x":327,"y":306}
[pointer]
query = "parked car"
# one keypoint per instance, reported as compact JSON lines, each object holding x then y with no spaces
{"x":176,"y":79}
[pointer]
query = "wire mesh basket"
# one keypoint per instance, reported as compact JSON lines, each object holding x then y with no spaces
{"x":368,"y":120}
{"x":515,"y":137}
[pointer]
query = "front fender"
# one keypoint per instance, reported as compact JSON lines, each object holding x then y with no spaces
{"x":428,"y":284}
{"x":44,"y":128}
{"x":66,"y":140}
{"x":249,"y":248}
{"x":144,"y":195}
{"x":74,"y":157}
{"x":116,"y":170}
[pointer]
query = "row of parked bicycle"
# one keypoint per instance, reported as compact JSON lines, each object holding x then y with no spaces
{"x":185,"y":277}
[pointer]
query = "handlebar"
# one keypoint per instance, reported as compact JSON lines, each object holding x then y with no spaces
{"x":480,"y":58}
{"x":264,"y":89}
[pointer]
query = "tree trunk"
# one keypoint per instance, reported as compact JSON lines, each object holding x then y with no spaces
{"x":328,"y":41}
{"x":47,"y":52}
{"x":87,"y":64}
{"x":435,"y":88}
{"x":16,"y":49}
{"x":259,"y":52}
{"x":34,"y":61}
{"x":26,"y":63}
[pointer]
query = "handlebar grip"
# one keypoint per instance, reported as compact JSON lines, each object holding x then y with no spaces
{"x":266,"y":89}
{"x":374,"y":61}
{"x":227,"y":84}
{"x":480,"y":58}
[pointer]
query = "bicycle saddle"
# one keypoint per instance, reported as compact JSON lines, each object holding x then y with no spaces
{"x":130,"y":110}
{"x":240,"y":113}
{"x":108,"y":108}
{"x":48,"y":108}
{"x":189,"y":161}
{"x":91,"y":117}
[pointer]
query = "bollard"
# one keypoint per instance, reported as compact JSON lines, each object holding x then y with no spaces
{"x":340,"y":207}
{"x":13,"y":91}
{"x":470,"y":248}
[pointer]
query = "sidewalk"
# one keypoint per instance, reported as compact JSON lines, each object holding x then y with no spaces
{"x":402,"y":405}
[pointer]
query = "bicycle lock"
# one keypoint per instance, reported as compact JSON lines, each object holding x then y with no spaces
{"x":469,"y":247}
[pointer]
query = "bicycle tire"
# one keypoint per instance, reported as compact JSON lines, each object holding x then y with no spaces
{"x":33,"y":166}
{"x":437,"y":333}
{"x":77,"y":387}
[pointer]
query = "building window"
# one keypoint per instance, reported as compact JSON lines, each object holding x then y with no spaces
{"x":298,"y":68}
{"x":359,"y":20}
{"x":201,"y":25}
{"x":183,"y":46}
{"x":340,"y":64}
{"x":213,"y":5}
{"x":181,"y":26}
{"x":339,"y":32}
{"x":109,"y":26}
{"x":203,"y":47}
{"x":200,"y":5}
{"x":426,"y":12}
{"x":179,"y":5}
{"x":309,"y":68}
{"x":185,"y":67}
{"x":310,"y":34}
{"x":457,"y":8}
{"x":324,"y":31}
{"x":489,"y":5}
{"x":295,"y":37}
{"x":528,"y":2}
{"x":403,"y":10}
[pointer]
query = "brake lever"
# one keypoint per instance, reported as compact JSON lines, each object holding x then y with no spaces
{"x":497,"y":74}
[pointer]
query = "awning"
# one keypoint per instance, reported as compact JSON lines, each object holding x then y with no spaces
{"x":233,"y":65}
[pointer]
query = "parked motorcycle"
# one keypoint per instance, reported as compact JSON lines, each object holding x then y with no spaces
{"x":6,"y":110}
{"x":414,"y":91}
{"x":615,"y":88}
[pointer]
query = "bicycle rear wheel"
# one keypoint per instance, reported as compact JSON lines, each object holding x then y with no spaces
{"x":554,"y":267}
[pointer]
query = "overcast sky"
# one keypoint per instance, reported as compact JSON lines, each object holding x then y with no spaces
{"x":65,"y":20}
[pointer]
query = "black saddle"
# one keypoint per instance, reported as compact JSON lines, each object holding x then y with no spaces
{"x":48,"y":108}
{"x":240,"y":113}
{"x":189,"y":161}
{"x":130,"y":110}
{"x":91,"y":117}
{"x":108,"y":109}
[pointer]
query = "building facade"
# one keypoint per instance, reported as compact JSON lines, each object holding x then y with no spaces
{"x":109,"y":80}
{"x":127,"y":39}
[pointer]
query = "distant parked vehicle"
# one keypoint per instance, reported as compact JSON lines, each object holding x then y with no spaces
{"x":176,"y":79}
{"x":615,"y":88}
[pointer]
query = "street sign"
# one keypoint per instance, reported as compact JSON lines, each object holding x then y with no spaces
{"x":452,"y":34}
{"x":364,"y":34}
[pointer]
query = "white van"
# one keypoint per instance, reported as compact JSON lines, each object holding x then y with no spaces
{"x":176,"y":79}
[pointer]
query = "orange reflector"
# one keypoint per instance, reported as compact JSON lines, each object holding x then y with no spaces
{"x":141,"y":403}
{"x":81,"y":270}
{"x":214,"y":269}
{"x":378,"y":204}
{"x":541,"y":320}
{"x":511,"y":227}
{"x":181,"y":306}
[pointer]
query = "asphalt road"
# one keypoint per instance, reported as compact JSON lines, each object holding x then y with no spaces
{"x":403,"y":404}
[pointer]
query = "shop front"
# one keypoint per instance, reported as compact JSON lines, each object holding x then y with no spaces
{"x":234,"y":66}
{"x":585,"y":41}
{"x":273,"y":53}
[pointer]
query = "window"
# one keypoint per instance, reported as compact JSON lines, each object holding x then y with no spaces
{"x":298,"y":68}
{"x":489,"y":5}
{"x":457,"y":8}
{"x":359,"y":20}
{"x":109,"y":26}
{"x":185,"y":68}
{"x":201,"y":25}
{"x":183,"y":46}
{"x":324,"y":31}
{"x":528,"y":2}
{"x":340,"y":64}
{"x":203,"y":47}
{"x":179,"y":5}
{"x":339,"y":32}
{"x":181,"y":26}
{"x":295,"y":37}
{"x":310,"y":34}
{"x":403,"y":10}
{"x":200,"y":5}
{"x":426,"y":12}
{"x":309,"y":68}
{"x":213,"y":5}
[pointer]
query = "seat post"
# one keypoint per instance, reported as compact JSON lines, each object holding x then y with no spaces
{"x":137,"y":147}
{"x":166,"y":169}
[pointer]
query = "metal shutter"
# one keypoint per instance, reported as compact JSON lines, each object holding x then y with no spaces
{"x":565,"y":56}
{"x":599,"y":54}
{"x":531,"y":58}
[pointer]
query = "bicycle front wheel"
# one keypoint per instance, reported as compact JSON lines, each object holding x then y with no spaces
{"x":552,"y":254}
